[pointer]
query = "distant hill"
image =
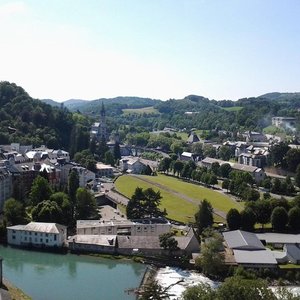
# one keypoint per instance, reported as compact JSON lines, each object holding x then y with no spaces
{"x":281,"y":96}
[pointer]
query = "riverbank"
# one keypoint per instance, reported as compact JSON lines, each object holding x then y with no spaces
{"x":9,"y":291}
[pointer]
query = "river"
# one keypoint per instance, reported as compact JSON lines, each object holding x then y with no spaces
{"x":48,"y":276}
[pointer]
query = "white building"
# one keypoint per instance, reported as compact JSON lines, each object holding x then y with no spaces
{"x":37,"y":234}
{"x":284,"y":122}
{"x":132,"y":165}
{"x":144,"y":227}
{"x":104,"y":170}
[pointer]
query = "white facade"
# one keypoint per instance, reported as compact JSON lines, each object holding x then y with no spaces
{"x":37,"y":234}
{"x":126,"y":227}
{"x":132,"y":165}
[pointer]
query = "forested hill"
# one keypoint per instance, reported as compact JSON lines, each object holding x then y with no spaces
{"x":29,"y":121}
{"x":115,"y":105}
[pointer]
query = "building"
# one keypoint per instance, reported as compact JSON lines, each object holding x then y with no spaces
{"x":93,"y":243}
{"x":99,"y":129}
{"x":193,"y":138}
{"x":258,"y":174}
{"x":252,"y":136}
{"x":85,"y":176}
{"x":37,"y":234}
{"x":144,"y":227}
{"x":247,"y":250}
{"x":5,"y":186}
{"x":132,"y":165}
{"x":284,"y":122}
{"x":104,"y":170}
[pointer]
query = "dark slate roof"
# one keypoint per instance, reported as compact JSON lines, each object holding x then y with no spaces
{"x":293,"y":251}
{"x":239,"y":239}
{"x":193,"y":138}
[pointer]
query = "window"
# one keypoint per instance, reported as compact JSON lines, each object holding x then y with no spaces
{"x":138,"y":229}
{"x":14,"y":231}
{"x":14,"y":237}
{"x":35,"y":233}
{"x":25,"y":238}
{"x":46,"y":234}
{"x":55,"y":237}
{"x":41,"y":240}
{"x":46,"y":240}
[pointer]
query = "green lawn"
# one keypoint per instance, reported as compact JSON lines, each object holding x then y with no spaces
{"x":289,"y":266}
{"x":197,"y":192}
{"x":178,"y":208}
{"x":146,"y":110}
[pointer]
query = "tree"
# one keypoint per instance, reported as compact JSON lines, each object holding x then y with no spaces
{"x":215,"y":166}
{"x":225,"y":184}
{"x":200,"y":291}
{"x":248,"y":219}
{"x":278,"y":152}
{"x":64,"y":203}
{"x":177,"y":167}
{"x":224,"y":152}
{"x":40,"y":190}
{"x":225,"y":170}
{"x":47,"y":211}
{"x":297,"y":177}
{"x":168,"y":242}
{"x":233,"y":219}
{"x":204,"y":216}
{"x":86,"y":207}
{"x":73,"y":185}
{"x":294,"y":219}
{"x":109,"y":158}
{"x":154,"y":291}
{"x":144,"y":204}
{"x":164,"y":164}
{"x":14,"y":212}
{"x":262,"y":209}
{"x":252,"y":195}
{"x":237,"y":288}
{"x":292,"y":159}
{"x":117,"y":151}
{"x":211,"y":260}
{"x":279,"y":218}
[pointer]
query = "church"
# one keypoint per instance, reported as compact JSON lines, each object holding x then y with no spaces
{"x":99,"y":129}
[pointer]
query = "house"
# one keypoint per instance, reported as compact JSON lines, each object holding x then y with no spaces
{"x":187,"y":156}
{"x":193,"y":138}
{"x":85,"y":176}
{"x":104,"y":170}
{"x":284,"y":122}
{"x":258,"y":174}
{"x":248,"y":250}
{"x":252,"y":136}
{"x":132,"y":165}
{"x":278,"y":240}
{"x":93,"y":243}
{"x":150,"y":245}
{"x":37,"y":234}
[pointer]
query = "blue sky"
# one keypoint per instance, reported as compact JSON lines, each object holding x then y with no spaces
{"x":226,"y":49}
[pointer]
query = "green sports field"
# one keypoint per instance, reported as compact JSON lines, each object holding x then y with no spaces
{"x":174,"y":191}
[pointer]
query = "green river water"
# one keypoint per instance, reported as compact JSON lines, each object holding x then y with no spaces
{"x":48,"y":276}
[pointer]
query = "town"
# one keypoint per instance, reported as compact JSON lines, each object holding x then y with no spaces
{"x":208,"y":203}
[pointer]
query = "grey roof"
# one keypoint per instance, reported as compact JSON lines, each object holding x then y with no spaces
{"x":279,"y":238}
{"x":239,"y":239}
{"x":100,"y":240}
{"x":264,"y":257}
{"x":138,"y":242}
{"x":40,"y":227}
{"x":293,"y":251}
{"x":193,"y":138}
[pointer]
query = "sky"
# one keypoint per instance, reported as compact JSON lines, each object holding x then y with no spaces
{"x":161,"y":49}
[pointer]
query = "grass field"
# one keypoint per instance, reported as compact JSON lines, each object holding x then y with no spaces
{"x":233,"y":108}
{"x":178,"y":208}
{"x":144,"y":110}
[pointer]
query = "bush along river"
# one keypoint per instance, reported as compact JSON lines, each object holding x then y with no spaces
{"x":48,"y":276}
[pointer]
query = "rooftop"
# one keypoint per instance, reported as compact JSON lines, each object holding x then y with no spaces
{"x":239,"y":239}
